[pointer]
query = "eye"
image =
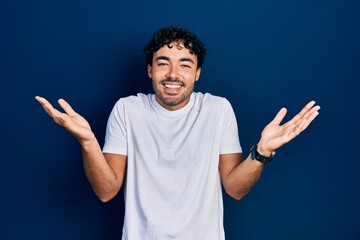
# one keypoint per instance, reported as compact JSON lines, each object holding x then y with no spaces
{"x":185,"y":66}
{"x":162,"y":64}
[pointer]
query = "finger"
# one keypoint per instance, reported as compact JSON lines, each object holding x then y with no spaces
{"x":66,"y":106}
{"x":309,"y":115}
{"x":279,"y":116}
{"x":312,"y":110}
{"x":41,"y":100}
{"x":301,"y":127}
{"x":306,"y":109}
{"x":299,"y":116}
{"x":310,"y":118}
{"x":47,"y":106}
{"x":305,"y":123}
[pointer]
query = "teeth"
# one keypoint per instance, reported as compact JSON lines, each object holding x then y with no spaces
{"x":172,"y":86}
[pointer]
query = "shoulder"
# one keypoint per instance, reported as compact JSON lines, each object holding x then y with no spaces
{"x":208,"y":100}
{"x":133,"y":101}
{"x":131,"y":105}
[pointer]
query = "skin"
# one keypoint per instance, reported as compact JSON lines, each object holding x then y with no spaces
{"x":174,"y":72}
{"x":239,"y":176}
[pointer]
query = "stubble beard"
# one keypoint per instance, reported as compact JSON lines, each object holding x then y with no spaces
{"x":173,"y":100}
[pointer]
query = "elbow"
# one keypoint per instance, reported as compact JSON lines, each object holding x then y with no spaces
{"x":105,"y":197}
{"x":238,"y":198}
{"x":237,"y":195}
{"x":105,"y":194}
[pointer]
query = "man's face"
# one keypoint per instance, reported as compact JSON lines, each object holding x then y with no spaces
{"x":173,"y":73}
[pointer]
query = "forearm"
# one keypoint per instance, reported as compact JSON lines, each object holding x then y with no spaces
{"x":243,"y":177}
{"x":99,"y":173}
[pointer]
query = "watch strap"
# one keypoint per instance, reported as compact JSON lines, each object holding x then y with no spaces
{"x":255,"y":155}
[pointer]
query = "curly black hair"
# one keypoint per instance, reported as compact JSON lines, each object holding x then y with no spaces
{"x":167,"y":35}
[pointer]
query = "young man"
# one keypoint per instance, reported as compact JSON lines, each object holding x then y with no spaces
{"x":175,"y":147}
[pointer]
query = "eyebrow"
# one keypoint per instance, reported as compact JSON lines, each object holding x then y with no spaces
{"x":168,"y":59}
{"x":187,"y":60}
{"x":162,"y":58}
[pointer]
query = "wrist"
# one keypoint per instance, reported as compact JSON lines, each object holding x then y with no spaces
{"x":88,"y":143}
{"x":255,"y":154}
{"x":263,"y":150}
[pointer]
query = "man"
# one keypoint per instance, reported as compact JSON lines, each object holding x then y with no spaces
{"x":175,"y":147}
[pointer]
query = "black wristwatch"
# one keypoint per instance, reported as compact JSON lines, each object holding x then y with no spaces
{"x":254,"y":154}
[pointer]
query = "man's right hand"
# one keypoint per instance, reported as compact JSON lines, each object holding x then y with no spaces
{"x":105,"y":172}
{"x":70,"y":120}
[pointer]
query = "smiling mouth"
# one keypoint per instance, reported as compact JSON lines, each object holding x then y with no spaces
{"x":172,"y":86}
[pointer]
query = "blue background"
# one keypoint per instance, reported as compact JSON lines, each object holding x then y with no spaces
{"x":262,"y":55}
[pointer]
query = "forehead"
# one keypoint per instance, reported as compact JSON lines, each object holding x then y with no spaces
{"x":175,"y":51}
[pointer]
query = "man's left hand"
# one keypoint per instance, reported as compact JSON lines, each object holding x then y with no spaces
{"x":275,"y":135}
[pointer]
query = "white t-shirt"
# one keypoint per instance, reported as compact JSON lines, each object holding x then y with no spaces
{"x":172,"y":185}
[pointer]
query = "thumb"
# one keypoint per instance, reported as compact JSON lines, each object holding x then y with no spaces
{"x":279,"y":116}
{"x":66,"y":106}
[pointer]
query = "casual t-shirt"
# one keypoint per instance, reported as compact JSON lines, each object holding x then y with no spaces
{"x":172,"y":184}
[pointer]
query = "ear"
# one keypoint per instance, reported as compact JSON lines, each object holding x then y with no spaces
{"x":149,"y":68}
{"x":197,"y":75}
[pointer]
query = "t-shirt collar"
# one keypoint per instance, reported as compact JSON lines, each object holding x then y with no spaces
{"x":174,"y":113}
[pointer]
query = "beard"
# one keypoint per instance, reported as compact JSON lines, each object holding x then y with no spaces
{"x":173,"y":100}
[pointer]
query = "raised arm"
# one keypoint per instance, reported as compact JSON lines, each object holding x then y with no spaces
{"x":239,"y":176}
{"x":105,"y":172}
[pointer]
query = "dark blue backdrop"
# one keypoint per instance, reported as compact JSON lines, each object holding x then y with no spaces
{"x":262,"y":55}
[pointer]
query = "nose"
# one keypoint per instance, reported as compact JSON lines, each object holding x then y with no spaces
{"x":172,"y":73}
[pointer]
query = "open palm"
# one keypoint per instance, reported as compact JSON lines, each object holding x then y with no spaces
{"x":70,"y":120}
{"x":275,"y":135}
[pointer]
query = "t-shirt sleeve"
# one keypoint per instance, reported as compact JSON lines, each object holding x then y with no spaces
{"x":230,"y":142}
{"x":115,"y":138}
